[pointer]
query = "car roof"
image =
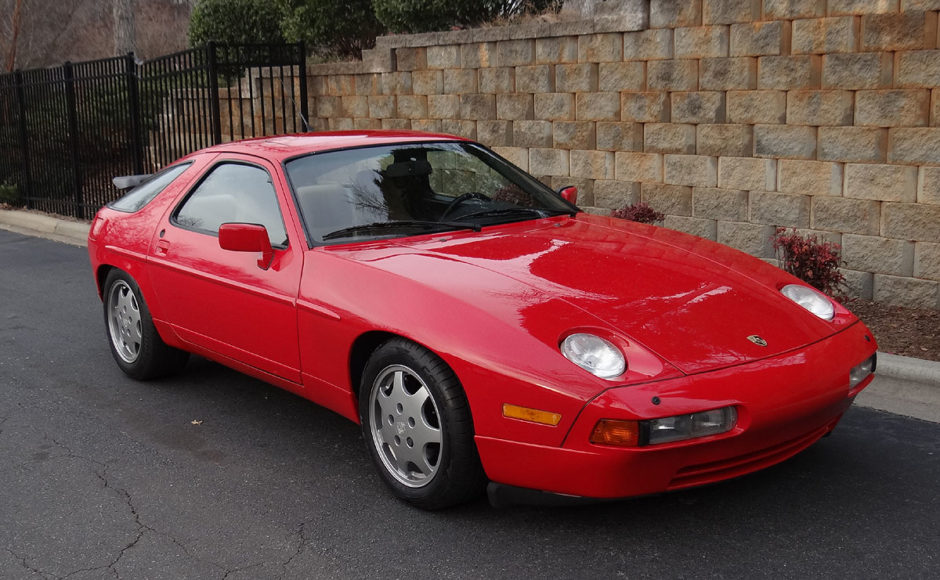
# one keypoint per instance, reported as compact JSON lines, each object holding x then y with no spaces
{"x":283,"y":147}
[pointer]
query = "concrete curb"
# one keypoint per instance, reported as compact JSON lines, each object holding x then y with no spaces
{"x":903,"y":385}
{"x":45,"y":226}
{"x":909,"y":369}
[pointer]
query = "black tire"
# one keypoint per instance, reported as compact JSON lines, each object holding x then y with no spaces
{"x":135,"y":344}
{"x":423,"y":416}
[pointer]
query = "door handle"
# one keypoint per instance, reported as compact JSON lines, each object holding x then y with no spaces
{"x":163,"y":247}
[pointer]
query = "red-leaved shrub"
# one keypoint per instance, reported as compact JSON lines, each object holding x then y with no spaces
{"x":812,"y":261}
{"x":639,"y":212}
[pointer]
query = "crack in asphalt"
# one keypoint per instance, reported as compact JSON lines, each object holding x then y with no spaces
{"x":101,"y":473}
{"x":142,"y":528}
{"x":301,"y":533}
{"x":187,"y":551}
{"x":25,"y":564}
{"x":241,"y":569}
{"x":100,"y":470}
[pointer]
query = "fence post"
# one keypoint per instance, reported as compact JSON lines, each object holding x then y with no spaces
{"x":302,"y":66}
{"x":24,"y":137}
{"x":133,"y":102}
{"x":72,"y":115}
{"x":215,"y":116}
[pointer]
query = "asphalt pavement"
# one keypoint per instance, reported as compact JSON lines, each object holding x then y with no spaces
{"x":212,"y":474}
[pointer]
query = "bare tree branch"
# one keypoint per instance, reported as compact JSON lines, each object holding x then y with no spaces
{"x":123,"y":17}
{"x":14,"y":35}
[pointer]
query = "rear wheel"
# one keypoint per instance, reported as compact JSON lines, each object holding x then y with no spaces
{"x":135,"y":344}
{"x":417,"y":426}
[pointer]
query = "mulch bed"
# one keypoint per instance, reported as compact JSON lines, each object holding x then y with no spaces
{"x":913,"y":332}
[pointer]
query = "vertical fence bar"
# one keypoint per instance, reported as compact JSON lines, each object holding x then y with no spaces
{"x":71,"y":114}
{"x":214,"y":114}
{"x":178,"y":108}
{"x":133,"y":109}
{"x":91,"y":116}
{"x":24,"y":137}
{"x":251,"y":102}
{"x":228,"y":101}
{"x":302,"y":67}
{"x":273,"y":100}
{"x":284,"y":96}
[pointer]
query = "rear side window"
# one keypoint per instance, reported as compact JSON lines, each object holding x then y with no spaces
{"x":233,"y":193}
{"x":144,"y":193}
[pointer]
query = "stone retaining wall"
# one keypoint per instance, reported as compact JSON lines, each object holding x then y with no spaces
{"x":730,"y":116}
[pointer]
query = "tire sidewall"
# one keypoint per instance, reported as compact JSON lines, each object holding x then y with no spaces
{"x":448,"y":395}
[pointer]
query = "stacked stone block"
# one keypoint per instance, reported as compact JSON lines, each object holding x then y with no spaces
{"x":733,"y":117}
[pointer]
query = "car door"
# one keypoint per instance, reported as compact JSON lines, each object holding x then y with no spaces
{"x":221,"y":300}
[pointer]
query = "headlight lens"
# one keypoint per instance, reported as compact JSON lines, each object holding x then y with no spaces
{"x":810,"y":299}
{"x":629,"y":433}
{"x":690,"y":426}
{"x":861,"y":371}
{"x":594,"y":354}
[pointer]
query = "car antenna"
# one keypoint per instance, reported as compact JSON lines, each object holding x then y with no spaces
{"x":296,"y":108}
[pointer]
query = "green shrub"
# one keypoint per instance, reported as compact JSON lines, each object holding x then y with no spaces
{"x":417,"y":15}
{"x":9,"y":194}
{"x":429,"y":15}
{"x":235,"y":22}
{"x":330,"y":28}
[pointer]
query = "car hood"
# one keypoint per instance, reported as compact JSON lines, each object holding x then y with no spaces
{"x":692,"y":302}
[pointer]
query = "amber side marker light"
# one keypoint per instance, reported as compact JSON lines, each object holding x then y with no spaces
{"x":616,"y":432}
{"x":531,"y":415}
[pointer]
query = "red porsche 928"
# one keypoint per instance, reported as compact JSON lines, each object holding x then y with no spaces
{"x":481,"y":328}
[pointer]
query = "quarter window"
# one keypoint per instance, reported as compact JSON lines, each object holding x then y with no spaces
{"x":234,"y":193}
{"x":144,"y":193}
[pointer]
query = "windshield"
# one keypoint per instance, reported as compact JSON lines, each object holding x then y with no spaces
{"x":413,"y":188}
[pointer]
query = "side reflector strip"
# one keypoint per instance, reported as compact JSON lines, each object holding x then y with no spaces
{"x":531,"y":415}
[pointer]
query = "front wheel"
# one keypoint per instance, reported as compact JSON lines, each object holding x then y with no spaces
{"x":135,"y":344}
{"x":417,"y":426}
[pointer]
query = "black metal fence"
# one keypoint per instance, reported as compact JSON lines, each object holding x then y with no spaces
{"x":66,"y":131}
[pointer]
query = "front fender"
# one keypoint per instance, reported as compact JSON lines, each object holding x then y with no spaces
{"x":501,"y":343}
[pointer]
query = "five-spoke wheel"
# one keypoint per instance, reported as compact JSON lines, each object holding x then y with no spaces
{"x":417,"y":426}
{"x":405,"y":425}
{"x":135,"y":343}
{"x":124,"y":321}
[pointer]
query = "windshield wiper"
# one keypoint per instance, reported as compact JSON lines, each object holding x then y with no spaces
{"x":402,"y":224}
{"x":513,"y":211}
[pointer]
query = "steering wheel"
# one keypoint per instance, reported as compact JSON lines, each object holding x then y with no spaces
{"x":462,"y":198}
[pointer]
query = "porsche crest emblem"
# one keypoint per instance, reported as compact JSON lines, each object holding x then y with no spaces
{"x":757,"y":340}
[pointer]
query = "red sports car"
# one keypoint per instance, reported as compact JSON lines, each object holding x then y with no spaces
{"x":479,"y":326}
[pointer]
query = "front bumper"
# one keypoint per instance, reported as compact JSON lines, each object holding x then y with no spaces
{"x":785,"y":404}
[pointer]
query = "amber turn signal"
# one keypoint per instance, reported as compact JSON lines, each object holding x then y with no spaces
{"x":531,"y":415}
{"x":616,"y":432}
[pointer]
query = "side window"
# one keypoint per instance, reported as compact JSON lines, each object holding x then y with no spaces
{"x":144,"y":193}
{"x":233,"y":192}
